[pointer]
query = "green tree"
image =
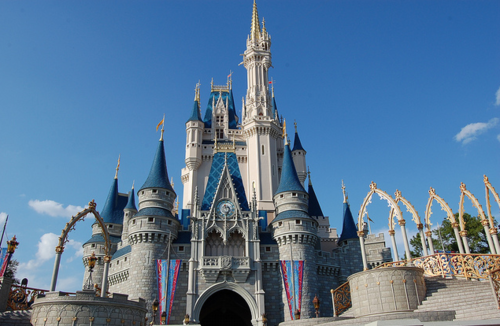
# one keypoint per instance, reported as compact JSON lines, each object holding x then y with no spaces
{"x":11,"y":271}
{"x":476,"y":237}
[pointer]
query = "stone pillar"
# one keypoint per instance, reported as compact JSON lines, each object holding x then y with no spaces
{"x":402,"y":224}
{"x":463,"y":234}
{"x":429,"y":240}
{"x":420,"y":228}
{"x":57,"y":261}
{"x":493,"y":232}
{"x":457,"y":236}
{"x":392,"y":233}
{"x":488,"y":236}
{"x":361,"y":235}
{"x":6,"y":283}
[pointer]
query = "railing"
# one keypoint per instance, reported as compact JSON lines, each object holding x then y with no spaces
{"x":495,"y":284}
{"x":468,"y":266}
{"x":341,"y":299}
{"x":21,"y":297}
{"x":225,"y":262}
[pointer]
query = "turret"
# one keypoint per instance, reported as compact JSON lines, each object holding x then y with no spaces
{"x":299,"y":157}
{"x":194,"y":134}
{"x":128,"y":212}
{"x":153,"y":226}
{"x":112,"y":215}
{"x":296,"y":232}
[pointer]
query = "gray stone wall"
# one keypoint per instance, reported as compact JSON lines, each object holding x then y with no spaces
{"x":84,"y":308}
{"x":272,"y":284}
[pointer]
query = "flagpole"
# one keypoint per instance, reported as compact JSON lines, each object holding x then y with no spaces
{"x":168,"y":270}
{"x":3,"y":232}
{"x":293,"y":282}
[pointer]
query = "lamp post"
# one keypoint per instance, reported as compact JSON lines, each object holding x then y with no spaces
{"x":155,"y":309}
{"x":316,"y":303}
{"x":164,"y":318}
{"x":92,"y":260}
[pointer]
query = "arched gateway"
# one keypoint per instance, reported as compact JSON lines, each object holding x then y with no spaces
{"x":225,"y":304}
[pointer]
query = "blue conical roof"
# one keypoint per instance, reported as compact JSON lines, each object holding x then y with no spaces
{"x":314,"y":207}
{"x":195,"y":114}
{"x":111,"y":202}
{"x":349,"y":229}
{"x":131,"y":200}
{"x":274,"y":109}
{"x":296,"y":143}
{"x":289,"y":179}
{"x":158,"y":175}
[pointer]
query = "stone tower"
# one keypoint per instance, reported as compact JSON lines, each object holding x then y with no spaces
{"x":295,"y":231}
{"x":152,"y":228}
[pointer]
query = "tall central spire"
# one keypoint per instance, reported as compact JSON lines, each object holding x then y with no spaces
{"x":255,"y":30}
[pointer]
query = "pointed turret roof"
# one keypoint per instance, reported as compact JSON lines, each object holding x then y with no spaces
{"x":297,"y":145}
{"x":349,"y":229}
{"x":158,"y":175}
{"x":131,"y":200}
{"x":195,"y":114}
{"x":255,"y":28}
{"x":289,"y":179}
{"x":274,"y":108}
{"x":112,"y":211}
{"x":314,"y":207}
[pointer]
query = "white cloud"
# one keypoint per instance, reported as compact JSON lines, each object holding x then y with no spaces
{"x":497,"y":97}
{"x":77,"y":245}
{"x":498,"y":137}
{"x":53,"y":208}
{"x":472,"y":130}
{"x":46,"y":251}
{"x":3,"y":217}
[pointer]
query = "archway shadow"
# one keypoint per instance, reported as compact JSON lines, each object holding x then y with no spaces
{"x":225,"y":308}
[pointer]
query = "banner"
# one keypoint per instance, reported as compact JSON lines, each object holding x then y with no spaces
{"x":167,"y":281}
{"x":293,"y":272}
{"x":4,"y":257}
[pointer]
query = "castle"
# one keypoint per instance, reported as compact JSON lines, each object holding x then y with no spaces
{"x":249,"y":238}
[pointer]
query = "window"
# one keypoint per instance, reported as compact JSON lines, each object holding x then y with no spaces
{"x":155,"y":191}
{"x":151,"y":219}
{"x":280,"y":224}
{"x":294,"y":194}
{"x":181,"y":248}
{"x":268,"y":249}
{"x":297,"y":222}
{"x":263,"y":150}
{"x":93,"y":245}
{"x":110,"y":226}
{"x":125,"y":258}
{"x":219,"y":133}
{"x":169,"y":222}
{"x":133,"y":221}
{"x":281,"y":196}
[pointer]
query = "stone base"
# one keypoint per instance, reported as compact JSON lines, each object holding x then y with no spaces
{"x":386,"y":290}
{"x":84,"y":308}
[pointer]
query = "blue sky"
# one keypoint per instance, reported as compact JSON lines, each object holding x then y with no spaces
{"x":404,"y":93}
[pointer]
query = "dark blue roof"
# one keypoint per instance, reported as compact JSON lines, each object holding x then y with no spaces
{"x":289,"y":179}
{"x":274,"y":109}
{"x":292,"y":214}
{"x":131,"y":200}
{"x":214,"y":97}
{"x":183,"y":237}
{"x":154,"y":211}
{"x":314,"y":207}
{"x":158,"y":175}
{"x":266,"y":238}
{"x":218,"y":163}
{"x":195,"y":114}
{"x":349,"y":229}
{"x":296,"y":143}
{"x":123,"y":251}
{"x":112,"y":211}
{"x":100,"y":238}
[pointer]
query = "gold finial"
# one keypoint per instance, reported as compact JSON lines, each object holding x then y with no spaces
{"x":117,"y":167}
{"x":230,"y":80}
{"x":309,"y":176}
{"x":172,"y":182}
{"x":344,"y":192}
{"x":295,"y":124}
{"x":263,"y":26}
{"x":197,"y":93}
{"x":255,"y":29}
{"x":162,"y":127}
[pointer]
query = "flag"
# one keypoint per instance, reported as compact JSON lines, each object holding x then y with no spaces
{"x":270,"y":82}
{"x":229,"y":74}
{"x":368,"y":217}
{"x":161,"y":122}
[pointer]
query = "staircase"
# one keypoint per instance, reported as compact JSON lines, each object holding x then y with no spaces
{"x":15,"y":318}
{"x":472,"y":300}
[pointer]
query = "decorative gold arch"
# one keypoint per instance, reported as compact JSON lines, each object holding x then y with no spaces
{"x":489,"y":188}
{"x":415,"y":217}
{"x":383,"y":195}
{"x":394,"y":210}
{"x":444,"y":207}
{"x":63,"y":239}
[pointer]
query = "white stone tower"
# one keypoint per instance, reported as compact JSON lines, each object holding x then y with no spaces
{"x":261,"y":126}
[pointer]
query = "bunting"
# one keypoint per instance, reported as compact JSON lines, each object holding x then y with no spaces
{"x":293,"y":272}
{"x":4,"y":260}
{"x":167,"y":281}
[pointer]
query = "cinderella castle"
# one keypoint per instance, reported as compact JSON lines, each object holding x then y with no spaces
{"x":250,"y":240}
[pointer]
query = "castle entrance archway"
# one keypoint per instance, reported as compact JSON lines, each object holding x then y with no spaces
{"x":225,"y":308}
